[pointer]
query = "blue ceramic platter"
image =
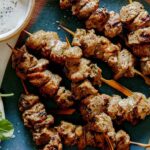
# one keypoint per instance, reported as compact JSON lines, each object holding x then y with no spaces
{"x":47,"y":20}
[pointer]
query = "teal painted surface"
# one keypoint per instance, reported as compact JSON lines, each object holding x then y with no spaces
{"x":47,"y":21}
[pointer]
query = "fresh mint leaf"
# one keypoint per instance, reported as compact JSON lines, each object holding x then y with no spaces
{"x":6,"y":129}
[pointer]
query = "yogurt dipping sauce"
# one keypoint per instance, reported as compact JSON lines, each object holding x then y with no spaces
{"x":12,"y":14}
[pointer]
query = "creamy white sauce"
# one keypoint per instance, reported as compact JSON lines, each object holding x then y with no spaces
{"x":12,"y":13}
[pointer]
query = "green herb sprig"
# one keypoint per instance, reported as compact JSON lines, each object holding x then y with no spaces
{"x":6,"y":128}
{"x":6,"y":95}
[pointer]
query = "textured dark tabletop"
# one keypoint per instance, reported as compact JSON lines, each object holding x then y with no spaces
{"x":46,"y":16}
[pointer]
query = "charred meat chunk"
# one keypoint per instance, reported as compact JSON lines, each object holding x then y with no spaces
{"x":84,"y":8}
{"x":139,"y":36}
{"x":40,"y":41}
{"x":70,"y":133}
{"x":122,"y":64}
{"x":52,"y":86}
{"x":145,"y":65}
{"x":64,"y":98}
{"x":73,"y":54}
{"x":43,"y":136}
{"x":113,"y":27}
{"x":141,"y":50}
{"x":129,"y":12}
{"x":27,"y":101}
{"x":94,"y":105}
{"x":141,"y":21}
{"x":22,"y":62}
{"x":65,"y":4}
{"x":98,"y":19}
{"x":38,"y":79}
{"x":82,"y":90}
{"x":57,"y":52}
{"x":35,"y":114}
{"x":40,"y":66}
{"x":78,"y":72}
{"x":122,"y":140}
{"x":132,"y":109}
{"x":96,"y":74}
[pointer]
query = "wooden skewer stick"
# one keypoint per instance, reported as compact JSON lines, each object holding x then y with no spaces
{"x":69,"y":45}
{"x":13,"y":49}
{"x":140,"y":144}
{"x":111,"y":83}
{"x":69,"y":111}
{"x":109,"y":142}
{"x":67,"y":30}
{"x":147,"y":80}
{"x":117,"y":86}
{"x":130,"y":1}
{"x":28,"y":33}
{"x":24,"y":87}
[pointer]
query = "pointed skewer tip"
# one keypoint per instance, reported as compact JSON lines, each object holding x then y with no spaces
{"x":66,"y":29}
{"x":9,"y":46}
{"x":24,"y":87}
{"x":28,"y":33}
{"x":67,"y":40}
{"x":147,"y":79}
{"x":140,"y":144}
{"x":130,"y":1}
{"x":13,"y":49}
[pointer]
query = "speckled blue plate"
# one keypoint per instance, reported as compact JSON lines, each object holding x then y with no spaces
{"x":47,"y":21}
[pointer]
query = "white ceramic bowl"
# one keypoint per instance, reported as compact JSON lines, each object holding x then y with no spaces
{"x":21,"y":17}
{"x":11,"y":37}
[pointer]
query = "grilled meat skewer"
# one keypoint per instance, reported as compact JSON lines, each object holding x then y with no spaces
{"x":50,"y":138}
{"x":76,"y":69}
{"x":84,"y":89}
{"x":95,"y":18}
{"x":99,"y":134}
{"x":29,"y":67}
{"x":137,"y":20}
{"x":36,"y":119}
{"x":121,"y":61}
{"x":94,"y":134}
{"x":133,"y":17}
{"x":131,"y":109}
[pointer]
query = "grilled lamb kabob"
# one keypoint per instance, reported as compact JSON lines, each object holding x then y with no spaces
{"x":95,"y":18}
{"x":121,"y":61}
{"x":85,"y":88}
{"x":132,"y":109}
{"x":99,"y":134}
{"x":29,"y":67}
{"x":132,"y":17}
{"x":41,"y":135}
{"x":137,"y":21}
{"x":47,"y":138}
{"x":49,"y":46}
{"x":36,"y":119}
